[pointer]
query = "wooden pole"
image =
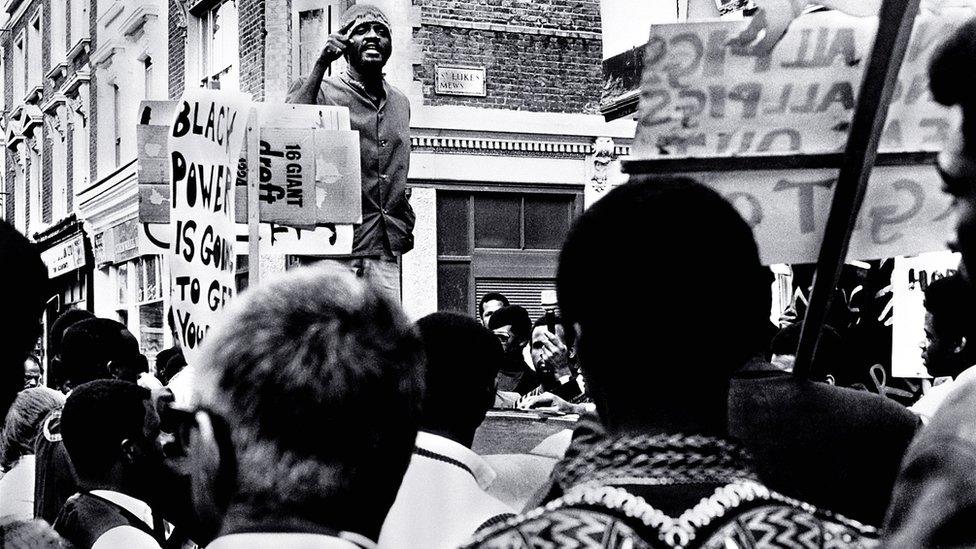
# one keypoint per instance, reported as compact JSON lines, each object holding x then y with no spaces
{"x":894,"y":31}
{"x":253,"y":145}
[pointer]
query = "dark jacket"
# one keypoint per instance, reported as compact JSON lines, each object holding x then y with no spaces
{"x":85,"y":517}
{"x":54,"y":476}
{"x":384,"y":149}
{"x":833,"y":447}
{"x":934,"y":500}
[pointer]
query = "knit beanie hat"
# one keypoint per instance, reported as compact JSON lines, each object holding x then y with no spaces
{"x":362,"y":13}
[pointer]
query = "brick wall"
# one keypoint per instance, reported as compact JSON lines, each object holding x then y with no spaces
{"x":539,"y":55}
{"x":93,"y":100}
{"x":47,"y":176}
{"x":177,"y":50}
{"x":10,"y":164}
{"x":251,"y":48}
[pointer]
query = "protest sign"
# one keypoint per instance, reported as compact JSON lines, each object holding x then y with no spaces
{"x":698,"y":99}
{"x":905,"y":211}
{"x":337,"y":195}
{"x":337,"y":174}
{"x":287,"y":177}
{"x":205,"y":141}
{"x":152,"y":162}
{"x":909,"y":280}
{"x":154,"y":238}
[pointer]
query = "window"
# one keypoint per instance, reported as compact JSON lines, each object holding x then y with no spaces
{"x":59,"y":169}
{"x":56,"y":26}
{"x":147,"y":78}
{"x":35,"y":67}
{"x":20,"y":196}
{"x":219,"y":47}
{"x":116,"y":125}
{"x":34,"y":187}
{"x":20,"y":69}
{"x":79,"y":20}
{"x":507,"y":241}
{"x":314,"y":21}
{"x":79,"y":147}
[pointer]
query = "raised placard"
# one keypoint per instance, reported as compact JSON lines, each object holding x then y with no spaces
{"x":698,"y":99}
{"x":205,"y":142}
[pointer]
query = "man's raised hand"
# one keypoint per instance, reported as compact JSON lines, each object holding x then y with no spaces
{"x":337,"y":43}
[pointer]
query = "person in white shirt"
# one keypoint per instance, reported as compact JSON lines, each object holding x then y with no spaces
{"x":948,"y":354}
{"x":306,"y":406}
{"x":22,"y":427}
{"x":442,"y":501}
{"x":110,"y":430}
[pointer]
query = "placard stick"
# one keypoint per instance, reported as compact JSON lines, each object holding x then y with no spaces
{"x":253,"y":144}
{"x":894,"y":31}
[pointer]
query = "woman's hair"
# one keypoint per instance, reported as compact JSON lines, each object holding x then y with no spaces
{"x":23,"y":423}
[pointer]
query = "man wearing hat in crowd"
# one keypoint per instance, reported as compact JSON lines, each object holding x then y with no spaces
{"x":381,"y":115}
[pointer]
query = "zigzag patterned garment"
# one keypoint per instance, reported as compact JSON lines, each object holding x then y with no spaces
{"x":614,"y":492}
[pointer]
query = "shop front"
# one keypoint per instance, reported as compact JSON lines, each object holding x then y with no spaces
{"x":66,"y":251}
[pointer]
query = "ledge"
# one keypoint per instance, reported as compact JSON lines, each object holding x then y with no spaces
{"x":110,"y":14}
{"x":104,"y":54}
{"x":10,"y":6}
{"x":83,"y":45}
{"x":33,"y":117}
{"x":54,"y":102}
{"x":71,"y":85}
{"x":138,"y":19}
{"x":34,"y":95}
{"x":57,"y":71}
{"x":17,"y":111}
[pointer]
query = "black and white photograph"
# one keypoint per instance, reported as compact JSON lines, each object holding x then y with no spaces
{"x":488,"y":274}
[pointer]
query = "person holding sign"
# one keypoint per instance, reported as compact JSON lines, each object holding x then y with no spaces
{"x":381,"y":115}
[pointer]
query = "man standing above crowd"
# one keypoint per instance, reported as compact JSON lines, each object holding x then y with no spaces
{"x":309,"y":398}
{"x":381,"y":115}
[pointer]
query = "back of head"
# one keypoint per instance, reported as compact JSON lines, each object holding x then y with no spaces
{"x":949,"y":301}
{"x":24,"y":277}
{"x":54,"y":340}
{"x":319,"y":378}
{"x":515,"y":316}
{"x":463,"y":359}
{"x":491,"y":296}
{"x":23,"y":423}
{"x":91,"y":346}
{"x":630,"y":274}
{"x":97,"y":417}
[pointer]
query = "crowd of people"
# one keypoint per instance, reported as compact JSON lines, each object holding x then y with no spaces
{"x":318,"y":415}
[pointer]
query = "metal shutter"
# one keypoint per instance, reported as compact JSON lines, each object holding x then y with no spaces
{"x":520,"y":291}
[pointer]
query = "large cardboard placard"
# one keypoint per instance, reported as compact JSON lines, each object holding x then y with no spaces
{"x":287,"y":173}
{"x":323,"y":130}
{"x":698,"y":99}
{"x":205,"y":141}
{"x":909,"y":279}
{"x":905,"y":211}
{"x":326,"y":239}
